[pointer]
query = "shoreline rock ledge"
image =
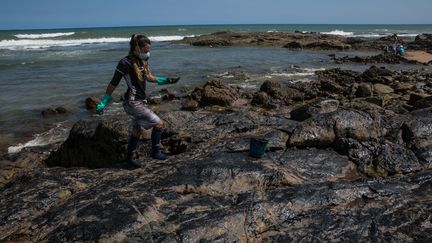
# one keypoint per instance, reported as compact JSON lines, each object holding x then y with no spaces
{"x":309,"y":40}
{"x":338,"y":168}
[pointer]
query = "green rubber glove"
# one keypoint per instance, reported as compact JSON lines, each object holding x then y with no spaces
{"x":161,"y":80}
{"x":165,"y":80}
{"x":105,"y":100}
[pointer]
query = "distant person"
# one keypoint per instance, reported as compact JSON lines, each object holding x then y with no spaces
{"x":393,"y":46}
{"x":391,"y":49}
{"x":135,"y":70}
{"x":395,"y":38}
{"x":400,"y":50}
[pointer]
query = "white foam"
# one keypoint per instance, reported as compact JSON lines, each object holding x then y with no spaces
{"x":302,"y":73}
{"x":25,"y":44}
{"x":313,"y":69}
{"x":45,"y":35}
{"x":168,"y":38}
{"x":292,"y":74}
{"x":301,"y":80}
{"x":370,"y":35}
{"x":407,"y":35}
{"x":339,"y":32}
{"x":34,"y":44}
{"x":54,"y":135}
{"x":248,"y":86}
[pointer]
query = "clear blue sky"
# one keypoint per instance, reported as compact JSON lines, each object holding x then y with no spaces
{"x":22,"y":14}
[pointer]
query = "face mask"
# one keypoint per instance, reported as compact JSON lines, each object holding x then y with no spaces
{"x":144,"y":56}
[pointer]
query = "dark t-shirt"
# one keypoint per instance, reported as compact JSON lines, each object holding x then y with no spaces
{"x":136,"y":88}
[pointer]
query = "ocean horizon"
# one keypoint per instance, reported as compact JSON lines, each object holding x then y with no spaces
{"x":214,"y":24}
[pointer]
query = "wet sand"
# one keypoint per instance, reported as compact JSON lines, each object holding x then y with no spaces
{"x":419,"y":56}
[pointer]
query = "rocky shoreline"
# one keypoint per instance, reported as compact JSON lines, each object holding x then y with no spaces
{"x":317,"y":41}
{"x":380,"y":58}
{"x":312,"y":40}
{"x":349,"y":159}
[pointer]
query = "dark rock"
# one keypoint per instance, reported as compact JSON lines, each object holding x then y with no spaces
{"x":53,"y":111}
{"x":393,"y":158}
{"x":155,"y":100}
{"x":261,"y":98}
{"x":382,"y":158}
{"x":381,"y":58}
{"x":364,"y":90}
{"x":417,"y":134}
{"x":422,"y":42}
{"x":190,"y":105}
{"x":92,"y":144}
{"x":208,"y":201}
{"x":328,"y":45}
{"x":382,"y":89}
{"x":332,"y":90}
{"x":61,"y":110}
{"x":24,"y":161}
{"x":414,"y":97}
{"x":297,"y":40}
{"x":322,"y":130}
{"x":48,"y":111}
{"x":336,"y":82}
{"x":300,"y":165}
{"x":277,"y":140}
{"x":378,"y":100}
{"x":294,"y":45}
{"x":333,"y":44}
{"x":91,"y":103}
{"x":315,"y":107}
{"x":281,"y":92}
{"x":360,"y":152}
{"x":176,"y":142}
{"x":377,"y":75}
{"x":338,"y":75}
{"x":215,"y":93}
{"x":362,"y":105}
{"x":212,"y":43}
{"x":423,"y":103}
{"x":403,"y":88}
{"x":310,"y":90}
{"x":169,"y":97}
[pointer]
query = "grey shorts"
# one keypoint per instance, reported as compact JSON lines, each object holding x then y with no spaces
{"x":143,"y":117}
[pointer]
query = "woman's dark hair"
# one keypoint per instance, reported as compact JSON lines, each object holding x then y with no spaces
{"x":140,"y":40}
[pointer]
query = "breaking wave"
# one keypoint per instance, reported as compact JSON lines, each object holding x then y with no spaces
{"x":41,"y":36}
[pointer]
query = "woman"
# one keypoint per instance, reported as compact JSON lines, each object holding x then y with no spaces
{"x":135,"y":70}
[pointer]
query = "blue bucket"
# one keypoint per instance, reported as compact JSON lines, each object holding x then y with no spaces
{"x":258,"y":147}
